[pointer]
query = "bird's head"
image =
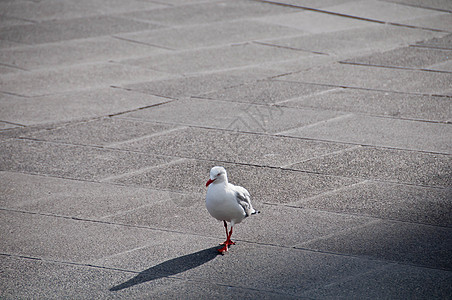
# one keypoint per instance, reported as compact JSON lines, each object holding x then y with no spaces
{"x":217,"y":174}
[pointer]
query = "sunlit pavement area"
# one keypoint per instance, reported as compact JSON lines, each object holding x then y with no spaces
{"x":334,"y":114}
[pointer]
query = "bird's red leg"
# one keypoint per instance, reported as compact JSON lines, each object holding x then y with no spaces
{"x":228,"y":241}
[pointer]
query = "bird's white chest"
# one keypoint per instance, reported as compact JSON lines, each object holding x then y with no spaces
{"x":222,"y":204}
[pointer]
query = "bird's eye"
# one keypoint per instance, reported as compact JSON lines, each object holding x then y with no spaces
{"x":218,"y":174}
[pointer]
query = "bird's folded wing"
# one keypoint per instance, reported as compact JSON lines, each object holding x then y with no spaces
{"x":243,"y":198}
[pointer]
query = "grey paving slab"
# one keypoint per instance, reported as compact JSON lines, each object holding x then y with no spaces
{"x":72,"y":105}
{"x":54,"y":10}
{"x":378,"y":131}
{"x":61,"y":160}
{"x":385,"y":164}
{"x":235,"y":147}
{"x":234,"y":116}
{"x":285,"y":271}
{"x":61,"y":30}
{"x":388,"y":201}
{"x":265,"y":92}
{"x":215,"y":59}
{"x":439,"y":22}
{"x":439,"y":42}
{"x":101,"y":132}
{"x":314,"y":3}
{"x":382,"y":11}
{"x":80,"y":199}
{"x":7,"y":44}
{"x":445,"y":66}
{"x":68,"y":240}
{"x":397,"y":105}
{"x":409,"y":81}
{"x":193,"y":85}
{"x":5,"y":125}
{"x":261,"y":182}
{"x":417,"y":244}
{"x":205,"y":35}
{"x":6,"y":21}
{"x":31,"y":278}
{"x":356,"y":41}
{"x":410,"y":57}
{"x":434,"y":4}
{"x":99,"y":49}
{"x":209,"y":12}
{"x":316,"y":22}
{"x":77,"y":77}
{"x":390,"y":282}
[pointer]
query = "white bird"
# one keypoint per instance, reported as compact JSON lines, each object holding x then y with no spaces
{"x":227,"y":202}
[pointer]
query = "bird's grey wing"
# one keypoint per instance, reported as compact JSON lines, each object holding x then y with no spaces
{"x":243,"y":198}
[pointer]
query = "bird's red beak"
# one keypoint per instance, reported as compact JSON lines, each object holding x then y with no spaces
{"x":209,"y":182}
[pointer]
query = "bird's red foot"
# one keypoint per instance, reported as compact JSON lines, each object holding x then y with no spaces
{"x":226,"y":245}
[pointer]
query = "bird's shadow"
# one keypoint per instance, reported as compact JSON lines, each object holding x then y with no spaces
{"x":170,"y":267}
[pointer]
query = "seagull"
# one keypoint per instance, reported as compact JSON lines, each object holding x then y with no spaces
{"x":227,"y":202}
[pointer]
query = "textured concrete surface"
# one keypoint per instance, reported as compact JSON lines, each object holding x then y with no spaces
{"x":335,"y":114}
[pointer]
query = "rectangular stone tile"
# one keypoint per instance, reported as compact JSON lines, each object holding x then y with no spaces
{"x":77,"y":77}
{"x":382,"y":10}
{"x":265,"y":92}
{"x":315,"y":22}
{"x":379,"y":131}
{"x":203,"y":143}
{"x":215,"y":59}
{"x":56,"y":238}
{"x":194,"y":85}
{"x":70,"y":161}
{"x":356,"y":41}
{"x":99,"y":49}
{"x":445,"y":66}
{"x":79,"y":199}
{"x":410,"y":57}
{"x":33,"y":278}
{"x":72,"y":105}
{"x":407,"y":81}
{"x":389,"y":282}
{"x":201,"y":13}
{"x":261,"y":182}
{"x":388,"y":201}
{"x":101,"y":132}
{"x":65,"y":9}
{"x":62,"y":30}
{"x":385,"y":164}
{"x":205,"y":35}
{"x":438,"y":22}
{"x":421,"y":245}
{"x":434,"y":4}
{"x":234,"y":116}
{"x":396,"y":105}
{"x":444,"y":42}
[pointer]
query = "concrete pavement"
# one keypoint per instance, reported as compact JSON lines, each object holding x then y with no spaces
{"x":335,"y":115}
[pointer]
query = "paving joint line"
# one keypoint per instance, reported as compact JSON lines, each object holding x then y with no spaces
{"x":418,"y":6}
{"x":290,"y":48}
{"x":155,"y":134}
{"x":352,"y":148}
{"x":350,"y":16}
{"x":393,"y":67}
{"x":362,"y":88}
